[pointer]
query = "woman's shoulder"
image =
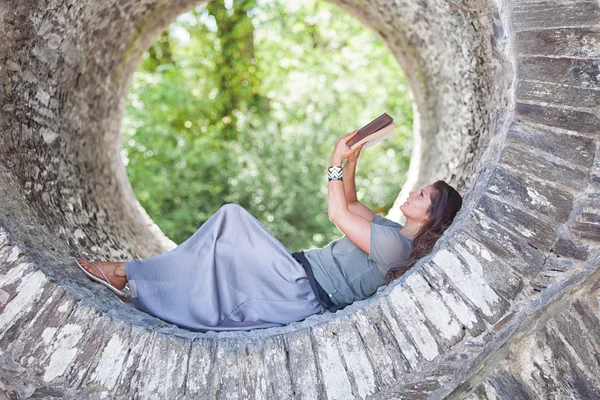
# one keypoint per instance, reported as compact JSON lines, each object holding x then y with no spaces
{"x":379,"y":220}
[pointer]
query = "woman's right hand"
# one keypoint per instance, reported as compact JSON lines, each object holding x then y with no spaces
{"x":354,"y":155}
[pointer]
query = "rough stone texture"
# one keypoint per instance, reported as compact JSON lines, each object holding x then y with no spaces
{"x":555,"y":353}
{"x":506,"y":306}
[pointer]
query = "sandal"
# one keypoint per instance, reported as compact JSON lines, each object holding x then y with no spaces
{"x":106,"y":283}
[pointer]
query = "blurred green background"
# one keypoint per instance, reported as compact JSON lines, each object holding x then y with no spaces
{"x":242,"y":101}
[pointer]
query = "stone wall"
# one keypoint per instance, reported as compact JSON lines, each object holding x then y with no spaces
{"x":506,"y":96}
{"x":555,"y":353}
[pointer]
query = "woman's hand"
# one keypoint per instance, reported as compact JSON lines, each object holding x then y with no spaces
{"x":355,"y":153}
{"x":341,"y":150}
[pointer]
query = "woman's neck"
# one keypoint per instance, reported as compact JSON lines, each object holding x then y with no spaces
{"x":410,"y":229}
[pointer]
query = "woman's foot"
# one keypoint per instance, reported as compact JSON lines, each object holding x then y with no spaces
{"x":114,"y":271}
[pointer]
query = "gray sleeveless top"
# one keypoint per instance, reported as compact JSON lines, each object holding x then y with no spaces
{"x":349,"y":274}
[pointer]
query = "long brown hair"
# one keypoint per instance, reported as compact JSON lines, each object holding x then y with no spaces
{"x":445,"y":203}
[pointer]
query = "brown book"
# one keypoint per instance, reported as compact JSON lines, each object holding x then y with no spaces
{"x":374,"y":132}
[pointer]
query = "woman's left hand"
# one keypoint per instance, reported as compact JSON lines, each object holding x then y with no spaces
{"x":341,"y":151}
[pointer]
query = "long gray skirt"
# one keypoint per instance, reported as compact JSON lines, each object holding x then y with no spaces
{"x":231,"y":274}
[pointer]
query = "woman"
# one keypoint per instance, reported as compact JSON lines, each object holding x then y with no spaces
{"x":233,"y":274}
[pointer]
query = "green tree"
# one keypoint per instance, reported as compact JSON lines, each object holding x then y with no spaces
{"x":238,"y":75}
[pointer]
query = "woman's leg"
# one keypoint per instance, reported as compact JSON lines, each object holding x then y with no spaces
{"x":114,"y":271}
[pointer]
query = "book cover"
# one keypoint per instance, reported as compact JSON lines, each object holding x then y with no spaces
{"x":374,"y":132}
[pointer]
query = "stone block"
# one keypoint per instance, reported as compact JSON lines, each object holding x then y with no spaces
{"x":567,"y":248}
{"x":466,"y":277}
{"x":26,"y":291}
{"x":572,"y":120}
{"x":255,"y":376}
{"x":239,"y":370}
{"x":483,"y":391}
{"x":68,"y":350}
{"x":564,"y":71}
{"x":97,"y":332}
{"x":415,"y":387}
{"x":561,"y":42}
{"x":559,"y":264}
{"x":163,"y":370}
{"x":136,"y":356}
{"x":543,"y":168}
{"x":469,"y":317}
{"x":578,"y":150}
{"x":551,"y":13}
{"x":581,"y":342}
{"x":275,"y":356}
{"x":530,"y":194}
{"x":334,"y":377}
{"x":533,"y":348}
{"x":303,"y":366}
{"x":533,"y":230}
{"x":585,"y":230}
{"x":112,"y":357}
{"x":24,"y":334}
{"x":358,"y":365}
{"x":508,"y":386}
{"x":504,"y":244}
{"x":589,"y":317}
{"x":495,"y":271}
{"x":28,"y":340}
{"x":382,"y":349}
{"x":590,"y":217}
{"x":572,"y":377}
{"x":11,"y":267}
{"x":556,"y":272}
{"x":538,"y":92}
{"x":401,"y":337}
{"x":413,"y":322}
{"x":48,"y":135}
{"x":60,"y":353}
{"x":448,"y":330}
{"x":200,"y":377}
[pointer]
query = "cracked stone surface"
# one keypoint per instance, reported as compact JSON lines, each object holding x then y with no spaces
{"x":506,"y":306}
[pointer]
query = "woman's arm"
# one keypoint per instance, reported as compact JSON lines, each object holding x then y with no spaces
{"x":349,"y":172}
{"x":355,"y":227}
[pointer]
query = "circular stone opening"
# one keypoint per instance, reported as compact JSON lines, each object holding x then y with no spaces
{"x":65,"y":188}
{"x":186,"y":155}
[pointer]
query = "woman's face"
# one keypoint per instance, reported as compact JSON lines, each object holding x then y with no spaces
{"x":415,"y":207}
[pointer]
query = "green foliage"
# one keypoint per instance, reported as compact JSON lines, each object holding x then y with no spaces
{"x":243,"y":101}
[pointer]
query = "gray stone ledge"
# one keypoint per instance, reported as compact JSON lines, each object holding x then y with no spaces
{"x":555,"y":14}
{"x":563,"y":42}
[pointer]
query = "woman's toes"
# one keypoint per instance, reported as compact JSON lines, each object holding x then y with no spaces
{"x":113,"y":272}
{"x":90,"y":268}
{"x":84,"y":263}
